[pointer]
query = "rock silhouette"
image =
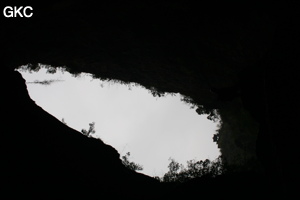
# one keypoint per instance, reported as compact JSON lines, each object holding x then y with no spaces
{"x":166,"y":47}
{"x":44,"y":158}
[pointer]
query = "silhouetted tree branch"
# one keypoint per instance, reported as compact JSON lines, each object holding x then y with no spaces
{"x":130,"y":165}
{"x":178,"y":173}
{"x":45,"y":82}
{"x":90,"y":131}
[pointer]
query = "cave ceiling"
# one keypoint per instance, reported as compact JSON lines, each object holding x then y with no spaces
{"x":173,"y":47}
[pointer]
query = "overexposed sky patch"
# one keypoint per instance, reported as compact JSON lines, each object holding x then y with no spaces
{"x":152,"y":129}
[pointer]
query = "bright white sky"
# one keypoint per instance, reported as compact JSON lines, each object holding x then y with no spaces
{"x":152,"y":129}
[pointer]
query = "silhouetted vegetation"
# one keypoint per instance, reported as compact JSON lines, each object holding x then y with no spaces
{"x":63,"y":121}
{"x":178,"y":173}
{"x":213,"y":114}
{"x":38,"y":66}
{"x":130,"y":165}
{"x":90,"y":131}
{"x":45,"y":82}
{"x":173,"y":47}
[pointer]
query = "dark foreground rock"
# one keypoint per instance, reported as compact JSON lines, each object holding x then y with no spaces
{"x":166,"y":47}
{"x":43,"y":158}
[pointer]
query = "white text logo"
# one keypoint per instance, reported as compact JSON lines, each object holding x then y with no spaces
{"x":15,"y":11}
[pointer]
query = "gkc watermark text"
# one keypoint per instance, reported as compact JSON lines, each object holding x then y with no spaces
{"x":15,"y":11}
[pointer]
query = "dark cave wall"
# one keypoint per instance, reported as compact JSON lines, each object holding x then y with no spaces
{"x":172,"y":47}
{"x":43,"y":158}
{"x":183,"y":48}
{"x":136,"y":42}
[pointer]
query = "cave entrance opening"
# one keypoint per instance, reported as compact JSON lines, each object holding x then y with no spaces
{"x":126,"y":116}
